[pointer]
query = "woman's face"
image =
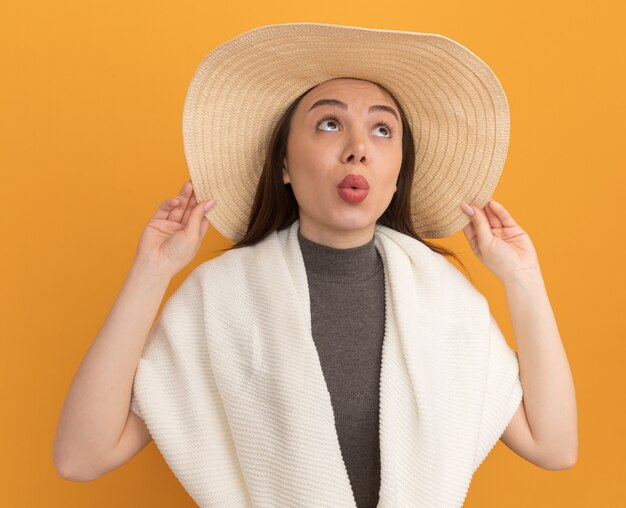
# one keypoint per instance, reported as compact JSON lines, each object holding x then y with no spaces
{"x":328,"y":141}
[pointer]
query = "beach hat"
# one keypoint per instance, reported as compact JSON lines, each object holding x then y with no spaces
{"x":453,"y":101}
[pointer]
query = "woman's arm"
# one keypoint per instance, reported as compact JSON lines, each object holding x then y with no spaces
{"x":549,"y":402}
{"x":96,"y":430}
{"x":96,"y":408}
{"x":544,"y":429}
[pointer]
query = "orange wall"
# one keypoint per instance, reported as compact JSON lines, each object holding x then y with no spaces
{"x":91,"y":102}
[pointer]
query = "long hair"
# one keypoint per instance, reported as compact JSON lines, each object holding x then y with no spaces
{"x":275,"y":206}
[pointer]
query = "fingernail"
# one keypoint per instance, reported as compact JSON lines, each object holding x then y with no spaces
{"x":208,"y":204}
{"x":467,"y":209}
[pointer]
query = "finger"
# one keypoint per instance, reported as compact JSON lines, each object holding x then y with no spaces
{"x":470,"y":233}
{"x":204,"y":226}
{"x":482,"y":227}
{"x":185,"y":185}
{"x":177,"y":213}
{"x":195,"y":219}
{"x":190,"y":206}
{"x":503,"y":215}
{"x":165,"y":208}
{"x":491,"y":216}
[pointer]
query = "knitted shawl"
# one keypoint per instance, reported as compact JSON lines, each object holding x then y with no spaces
{"x":231,"y":388}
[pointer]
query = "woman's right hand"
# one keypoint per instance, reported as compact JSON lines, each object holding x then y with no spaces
{"x":173,"y":236}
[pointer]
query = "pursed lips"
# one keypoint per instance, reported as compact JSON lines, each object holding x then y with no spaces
{"x":356,"y":181}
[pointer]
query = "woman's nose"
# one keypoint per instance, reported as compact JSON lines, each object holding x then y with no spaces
{"x":356,"y":149}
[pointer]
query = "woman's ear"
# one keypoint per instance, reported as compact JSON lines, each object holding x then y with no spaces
{"x":286,"y":178}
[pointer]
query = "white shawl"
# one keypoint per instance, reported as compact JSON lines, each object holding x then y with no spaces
{"x":231,"y":388}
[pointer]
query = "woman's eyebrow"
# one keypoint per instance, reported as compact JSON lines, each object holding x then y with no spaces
{"x":343,"y":105}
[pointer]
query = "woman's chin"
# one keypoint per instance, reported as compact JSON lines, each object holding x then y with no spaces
{"x":342,"y":217}
{"x":354,"y":220}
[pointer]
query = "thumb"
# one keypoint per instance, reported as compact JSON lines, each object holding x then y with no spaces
{"x":204,"y":226}
{"x":197,"y":215}
{"x":481,"y":226}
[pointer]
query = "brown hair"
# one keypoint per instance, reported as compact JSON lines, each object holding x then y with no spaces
{"x":275,"y":206}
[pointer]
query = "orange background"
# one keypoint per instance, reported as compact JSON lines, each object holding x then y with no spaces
{"x":91,"y":107}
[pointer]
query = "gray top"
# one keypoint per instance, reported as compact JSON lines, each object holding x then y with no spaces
{"x":347,"y":292}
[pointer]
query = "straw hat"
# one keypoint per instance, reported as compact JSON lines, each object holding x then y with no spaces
{"x":453,"y":101}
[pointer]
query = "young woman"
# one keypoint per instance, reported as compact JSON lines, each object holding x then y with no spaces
{"x":332,"y":356}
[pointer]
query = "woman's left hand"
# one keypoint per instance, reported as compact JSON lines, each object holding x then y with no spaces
{"x":498,"y":241}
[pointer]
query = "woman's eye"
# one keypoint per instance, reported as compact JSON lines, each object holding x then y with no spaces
{"x":331,"y":121}
{"x":386,"y":130}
